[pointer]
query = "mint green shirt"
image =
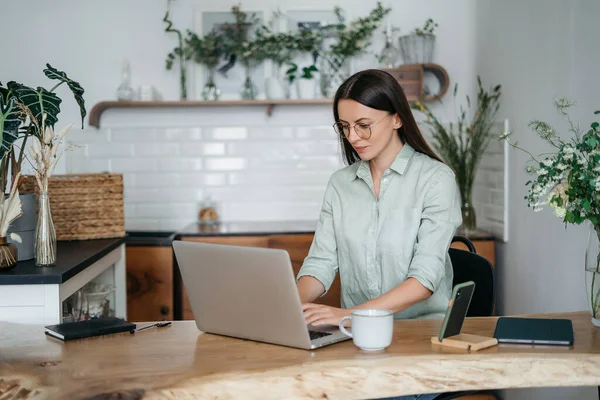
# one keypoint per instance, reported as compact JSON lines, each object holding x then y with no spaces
{"x":376,"y":244}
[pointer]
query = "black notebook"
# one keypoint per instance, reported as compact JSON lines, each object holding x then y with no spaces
{"x":89,"y":328}
{"x":534,"y":331}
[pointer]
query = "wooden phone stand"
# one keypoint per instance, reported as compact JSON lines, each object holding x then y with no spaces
{"x":466,"y":341}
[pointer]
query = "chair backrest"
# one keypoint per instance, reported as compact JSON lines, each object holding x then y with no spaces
{"x":469,"y":266}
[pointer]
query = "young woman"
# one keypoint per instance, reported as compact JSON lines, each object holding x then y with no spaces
{"x":387,"y":218}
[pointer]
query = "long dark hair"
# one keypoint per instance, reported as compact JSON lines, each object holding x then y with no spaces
{"x":379,"y":90}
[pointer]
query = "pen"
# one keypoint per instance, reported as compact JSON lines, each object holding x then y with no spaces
{"x":157,"y":325}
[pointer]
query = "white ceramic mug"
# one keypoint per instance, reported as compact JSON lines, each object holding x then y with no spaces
{"x":372,"y":329}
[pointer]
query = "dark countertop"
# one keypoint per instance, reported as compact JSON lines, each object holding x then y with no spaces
{"x":72,"y":258}
{"x":150,"y":238}
{"x":248,"y":228}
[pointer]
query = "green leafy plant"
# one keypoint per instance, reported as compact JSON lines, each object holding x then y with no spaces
{"x":207,"y":50}
{"x":22,"y":110}
{"x":307,"y":72}
{"x":237,"y":39}
{"x":462,"y":144}
{"x":427,"y":28}
{"x":177,"y":52}
{"x":354,"y":37}
{"x":567,"y":179}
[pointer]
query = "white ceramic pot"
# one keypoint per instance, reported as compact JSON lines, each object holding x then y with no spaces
{"x":307,"y":88}
{"x":274,"y":89}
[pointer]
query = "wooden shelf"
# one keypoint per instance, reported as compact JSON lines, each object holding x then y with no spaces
{"x":98,"y":109}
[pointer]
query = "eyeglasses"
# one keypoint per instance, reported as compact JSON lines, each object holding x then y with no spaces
{"x":362,"y":130}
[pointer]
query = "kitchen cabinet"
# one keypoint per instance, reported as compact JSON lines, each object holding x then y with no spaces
{"x":149,"y":283}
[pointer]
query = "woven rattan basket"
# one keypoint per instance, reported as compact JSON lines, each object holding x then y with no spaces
{"x":84,"y":206}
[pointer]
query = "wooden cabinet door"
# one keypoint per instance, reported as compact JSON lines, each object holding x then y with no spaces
{"x":485,"y":248}
{"x":149,"y":283}
{"x":250,"y":241}
{"x":298,"y":246}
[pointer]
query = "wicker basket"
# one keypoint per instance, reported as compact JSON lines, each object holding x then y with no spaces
{"x":84,"y":206}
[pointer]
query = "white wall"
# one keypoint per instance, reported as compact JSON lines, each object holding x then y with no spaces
{"x":90,"y":39}
{"x":540,"y":50}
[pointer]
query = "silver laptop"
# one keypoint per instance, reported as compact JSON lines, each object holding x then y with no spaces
{"x":248,"y":293}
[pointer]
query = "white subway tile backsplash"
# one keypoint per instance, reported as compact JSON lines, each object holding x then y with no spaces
{"x":163,"y":195}
{"x":183,"y":134}
{"x":133,"y":164}
{"x":137,"y":135}
{"x":109,"y":150}
{"x":255,"y":167}
{"x":156,"y":149}
{"x":270,"y":133}
{"x":179,"y":164}
{"x":228,"y":133}
{"x":79,"y":165}
{"x":202,"y":149}
{"x":225,"y":164}
{"x":89,"y":135}
{"x":142,"y":224}
{"x":316,"y":132}
{"x":171,"y":210}
{"x":282,"y":194}
{"x":174,"y":224}
{"x":173,"y":180}
{"x":276,"y":178}
{"x":271,"y":211}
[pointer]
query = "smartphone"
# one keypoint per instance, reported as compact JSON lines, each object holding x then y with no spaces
{"x":457,"y":309}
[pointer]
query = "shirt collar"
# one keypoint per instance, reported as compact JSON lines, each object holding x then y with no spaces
{"x":398,"y":165}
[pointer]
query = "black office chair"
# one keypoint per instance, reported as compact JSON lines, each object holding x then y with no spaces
{"x":470,"y":266}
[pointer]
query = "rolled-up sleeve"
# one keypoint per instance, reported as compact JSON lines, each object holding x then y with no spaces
{"x":440,"y":218}
{"x":322,"y":260}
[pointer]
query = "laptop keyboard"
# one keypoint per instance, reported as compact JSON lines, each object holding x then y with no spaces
{"x":315,"y":335}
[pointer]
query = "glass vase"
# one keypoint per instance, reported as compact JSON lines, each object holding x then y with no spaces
{"x":8,"y":254}
{"x":592,"y":273}
{"x":249,"y":89}
{"x":45,"y":235}
{"x":469,"y":218}
{"x":210,"y":91}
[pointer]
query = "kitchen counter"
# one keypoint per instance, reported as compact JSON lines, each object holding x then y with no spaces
{"x":72,"y":257}
{"x":248,"y":228}
{"x":36,"y":295}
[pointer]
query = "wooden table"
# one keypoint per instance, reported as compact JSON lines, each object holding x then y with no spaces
{"x":181,"y":362}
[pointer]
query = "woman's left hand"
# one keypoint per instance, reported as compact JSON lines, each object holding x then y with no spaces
{"x":319,"y":314}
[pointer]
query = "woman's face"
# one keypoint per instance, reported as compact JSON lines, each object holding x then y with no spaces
{"x":382,"y":125}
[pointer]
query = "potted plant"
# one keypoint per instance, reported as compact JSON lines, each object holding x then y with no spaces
{"x":348,"y":40}
{"x":23,"y":113}
{"x":207,"y":51}
{"x":279,"y":48}
{"x":462,"y":144}
{"x":417,"y":47}
{"x":568,"y":180}
{"x":306,"y":84}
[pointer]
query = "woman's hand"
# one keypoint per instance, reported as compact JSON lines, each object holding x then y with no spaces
{"x":318,"y":314}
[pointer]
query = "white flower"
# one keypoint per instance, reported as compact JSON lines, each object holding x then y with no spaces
{"x":560,"y":212}
{"x":542,"y":171}
{"x":15,"y":237}
{"x":547,"y":162}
